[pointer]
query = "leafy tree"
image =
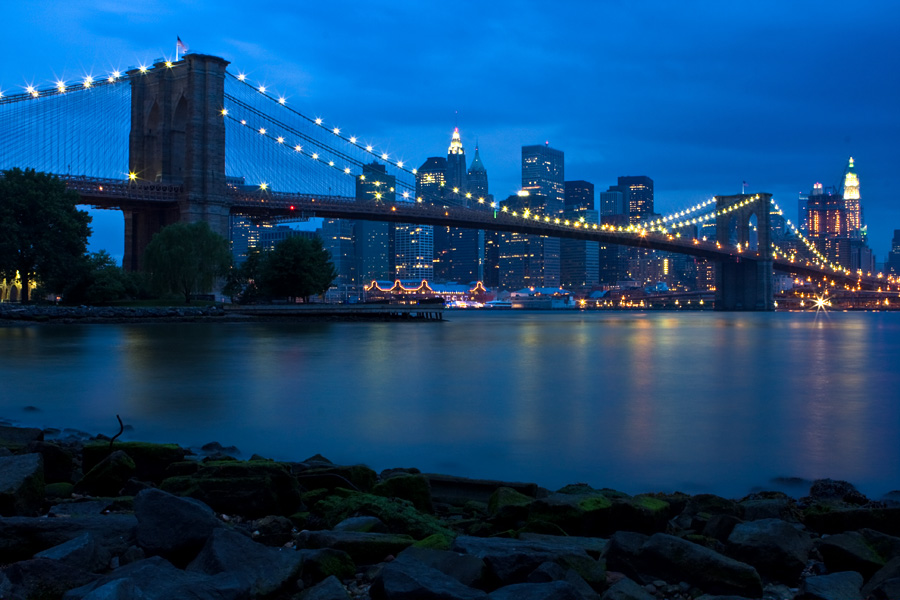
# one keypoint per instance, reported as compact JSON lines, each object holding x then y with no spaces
{"x":101,"y":281}
{"x":186,"y":258}
{"x":242,"y":283}
{"x":44,"y":236}
{"x":298,"y":268}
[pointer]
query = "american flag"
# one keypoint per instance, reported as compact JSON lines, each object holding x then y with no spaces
{"x":179,"y":45}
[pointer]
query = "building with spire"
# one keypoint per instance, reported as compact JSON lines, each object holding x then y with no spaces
{"x":852,"y":205}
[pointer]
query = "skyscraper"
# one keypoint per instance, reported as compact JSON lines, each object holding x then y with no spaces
{"x":456,"y":169}
{"x":579,"y":265}
{"x":527,"y":260}
{"x":852,"y":203}
{"x":637,"y":196}
{"x":477,"y":179}
{"x":372,"y":238}
{"x":543,"y":173}
{"x":892,"y":264}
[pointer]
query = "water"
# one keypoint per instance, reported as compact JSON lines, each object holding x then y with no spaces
{"x":697,"y":402}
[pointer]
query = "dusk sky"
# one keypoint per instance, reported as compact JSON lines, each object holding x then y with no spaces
{"x":699,"y":96}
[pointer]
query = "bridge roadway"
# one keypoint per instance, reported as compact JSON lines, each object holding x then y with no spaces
{"x":118,"y":194}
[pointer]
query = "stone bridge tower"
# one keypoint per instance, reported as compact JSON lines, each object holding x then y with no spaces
{"x":177,"y":138}
{"x":745,"y":283}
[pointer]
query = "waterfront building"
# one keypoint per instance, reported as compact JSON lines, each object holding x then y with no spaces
{"x":337,"y":238}
{"x":543,"y":174}
{"x":413,"y":252}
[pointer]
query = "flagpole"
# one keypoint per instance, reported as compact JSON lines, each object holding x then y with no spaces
{"x":176,"y":49}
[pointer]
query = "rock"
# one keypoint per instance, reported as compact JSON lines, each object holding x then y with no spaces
{"x":58,"y":463}
{"x":259,"y":569}
{"x":836,"y":490}
{"x":108,"y":476}
{"x":594,"y":546}
{"x":362,"y":525}
{"x":849,"y":552}
{"x":411,"y":580}
{"x":364,"y":548}
{"x":399,"y":515}
{"x":884,"y":584}
{"x":249,"y":488}
{"x":325,"y":475}
{"x":768,"y":508}
{"x":216,"y":447}
{"x":577,"y":514}
{"x":58,"y":491}
{"x":414,"y":488}
{"x":157,"y":579}
{"x":81,"y":508}
{"x":623,"y":553}
{"x":459,"y":490}
{"x":701,"y":507}
{"x":467,"y":569}
{"x":642,"y":513}
{"x":509,"y":505}
{"x":674,"y":559}
{"x":557,"y":590}
{"x":150,"y":460}
{"x":830,"y":518}
{"x":23,"y":537}
{"x":547,"y":572}
{"x":21,"y":484}
{"x":81,"y":553}
{"x":626,"y":589}
{"x":719,"y":527}
{"x":273,"y":530}
{"x":326,"y":562}
{"x":41,"y":578}
{"x":844,"y":585}
{"x":16,"y":438}
{"x":175,"y":528}
{"x":887,"y":546}
{"x":776,"y":548}
{"x":328,"y":589}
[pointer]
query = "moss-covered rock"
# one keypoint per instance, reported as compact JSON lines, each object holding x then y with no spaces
{"x":58,"y":491}
{"x":399,"y":515}
{"x":576,"y":514}
{"x":506,"y":498}
{"x":326,"y":562}
{"x":182,"y":468}
{"x":108,"y":476}
{"x":252,"y":489}
{"x":150,"y":460}
{"x":21,"y":485}
{"x":437,"y":541}
{"x":642,"y":513}
{"x":331,"y":477}
{"x":414,"y":488}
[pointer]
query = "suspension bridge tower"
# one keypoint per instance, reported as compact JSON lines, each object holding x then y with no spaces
{"x":746,"y":282}
{"x":177,"y":138}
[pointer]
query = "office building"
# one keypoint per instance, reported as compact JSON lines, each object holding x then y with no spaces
{"x":543,"y":173}
{"x":527,"y":260}
{"x":373,"y":240}
{"x":579,"y":266}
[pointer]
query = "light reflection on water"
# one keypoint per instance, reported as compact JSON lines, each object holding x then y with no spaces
{"x":659,"y":401}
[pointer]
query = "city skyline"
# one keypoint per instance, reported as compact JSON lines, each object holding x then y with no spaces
{"x":698,"y":100}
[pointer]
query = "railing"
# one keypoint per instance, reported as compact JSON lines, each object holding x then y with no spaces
{"x":118,"y":189}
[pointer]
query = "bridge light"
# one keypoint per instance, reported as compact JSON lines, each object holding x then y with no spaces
{"x":368,"y":148}
{"x":61,"y":87}
{"x":132,"y":176}
{"x":336,"y":131}
{"x":347,"y":170}
{"x":315,"y":156}
{"x":400,"y":163}
{"x":262,"y":89}
{"x":406,"y":194}
{"x":169,"y":64}
{"x":241,"y":77}
{"x":292,"y":207}
{"x":352,"y":139}
{"x":299,"y":148}
{"x":384,"y":155}
{"x":419,"y":199}
{"x":415,"y":171}
{"x":32,"y":91}
{"x":264,"y":186}
{"x":493,"y":205}
{"x":224,"y":112}
{"x":456,"y":190}
{"x":262,"y":131}
{"x":279,"y":139}
{"x":330,"y":163}
{"x":243,"y":121}
{"x":282,"y":100}
{"x":143,"y":69}
{"x":318,"y":120}
{"x":116,"y":74}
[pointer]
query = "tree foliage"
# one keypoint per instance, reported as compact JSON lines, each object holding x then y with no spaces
{"x":101,"y":281}
{"x":44,"y":236}
{"x":297,"y":268}
{"x":186,"y":258}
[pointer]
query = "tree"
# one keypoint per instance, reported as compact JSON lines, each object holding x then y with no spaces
{"x":101,"y":280}
{"x":298,"y":268}
{"x":242,"y":282}
{"x":186,"y":258}
{"x":44,"y":236}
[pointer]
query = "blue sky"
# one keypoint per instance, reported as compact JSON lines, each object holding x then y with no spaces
{"x":700,"y":96}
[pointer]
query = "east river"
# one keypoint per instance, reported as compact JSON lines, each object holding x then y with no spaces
{"x":701,"y":401}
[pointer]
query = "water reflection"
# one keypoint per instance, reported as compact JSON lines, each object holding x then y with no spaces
{"x":716,"y":402}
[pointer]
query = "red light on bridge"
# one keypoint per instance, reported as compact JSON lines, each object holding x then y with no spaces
{"x":292,"y":207}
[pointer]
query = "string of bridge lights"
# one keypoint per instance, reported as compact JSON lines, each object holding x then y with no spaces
{"x":319,"y":122}
{"x":60,"y":87}
{"x":811,"y":246}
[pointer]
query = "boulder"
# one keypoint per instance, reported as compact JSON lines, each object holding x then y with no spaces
{"x":41,"y":578}
{"x":885,"y":584}
{"x":508,"y":505}
{"x":248,"y":488}
{"x":59,"y":466}
{"x":81,"y":553}
{"x":674,"y":559}
{"x":324,"y":563}
{"x":642,"y":513}
{"x":547,"y":572}
{"x":157,"y":579}
{"x":719,"y":527}
{"x":150,"y":460}
{"x":626,"y":589}
{"x":467,"y":569}
{"x":329,"y":476}
{"x":594,"y":546}
{"x":23,"y":537}
{"x":362,"y":524}
{"x":108,"y":476}
{"x":273,"y":530}
{"x":887,"y":546}
{"x":577,"y":514}
{"x":768,"y":508}
{"x":412,"y":580}
{"x":363,"y":548}
{"x":557,"y":590}
{"x":81,"y":508}
{"x":836,"y":490}
{"x":16,"y":438}
{"x":410,"y":487}
{"x":701,"y":507}
{"x":399,"y":515}
{"x":844,"y":585}
{"x":259,"y":569}
{"x":175,"y":528}
{"x":328,"y":589}
{"x":624,"y":551}
{"x":830,"y":518}
{"x":21,"y":485}
{"x":849,"y":552}
{"x":776,"y":548}
{"x":460,"y":490}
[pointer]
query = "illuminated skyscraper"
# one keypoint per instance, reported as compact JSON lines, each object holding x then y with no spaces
{"x":852,"y":203}
{"x":892,"y":264}
{"x":544,"y":173}
{"x":527,"y":260}
{"x":579,"y":266}
{"x":372,"y":238}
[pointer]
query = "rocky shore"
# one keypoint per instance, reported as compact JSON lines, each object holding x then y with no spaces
{"x":18,"y":314}
{"x":90,"y":518}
